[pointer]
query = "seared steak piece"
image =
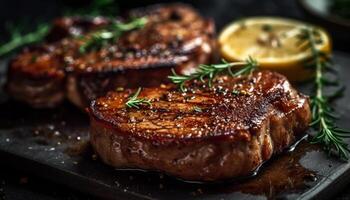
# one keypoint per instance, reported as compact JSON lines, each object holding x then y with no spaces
{"x":205,"y":134}
{"x":74,"y":26}
{"x":175,"y":36}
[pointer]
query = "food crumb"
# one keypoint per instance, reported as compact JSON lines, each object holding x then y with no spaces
{"x":56,"y":133}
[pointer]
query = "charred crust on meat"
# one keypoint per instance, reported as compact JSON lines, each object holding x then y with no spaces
{"x":231,"y":136}
{"x":150,"y":51}
{"x":244,"y":112}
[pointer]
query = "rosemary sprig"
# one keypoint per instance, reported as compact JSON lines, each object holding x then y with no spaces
{"x":323,"y":118}
{"x":18,"y":39}
{"x":210,"y":71}
{"x":135,"y":102}
{"x":109,"y":34}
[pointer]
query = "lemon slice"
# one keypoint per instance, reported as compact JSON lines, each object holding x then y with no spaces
{"x":272,"y":42}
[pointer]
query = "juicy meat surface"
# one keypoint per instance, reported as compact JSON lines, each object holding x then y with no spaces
{"x":204,"y":134}
{"x":175,"y":36}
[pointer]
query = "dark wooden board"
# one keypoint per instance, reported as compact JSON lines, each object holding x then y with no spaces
{"x":54,"y":144}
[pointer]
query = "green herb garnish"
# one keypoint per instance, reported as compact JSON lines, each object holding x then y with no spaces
{"x":241,"y":92}
{"x":210,"y":71}
{"x":197,"y":109}
{"x":236,"y":92}
{"x":19,"y":39}
{"x":109,"y":34}
{"x":135,"y":102}
{"x":323,"y":118}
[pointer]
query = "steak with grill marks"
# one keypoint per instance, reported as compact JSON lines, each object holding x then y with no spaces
{"x":175,"y":36}
{"x":205,"y":134}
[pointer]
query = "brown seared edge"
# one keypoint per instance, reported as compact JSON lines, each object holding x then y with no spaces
{"x":231,"y":136}
{"x":175,"y":36}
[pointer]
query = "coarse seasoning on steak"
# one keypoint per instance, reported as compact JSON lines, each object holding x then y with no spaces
{"x":203,"y":134}
{"x":174,"y":36}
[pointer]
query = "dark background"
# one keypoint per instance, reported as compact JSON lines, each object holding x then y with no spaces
{"x":16,"y":184}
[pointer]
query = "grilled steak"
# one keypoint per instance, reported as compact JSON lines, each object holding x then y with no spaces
{"x":204,"y":134}
{"x":175,"y":36}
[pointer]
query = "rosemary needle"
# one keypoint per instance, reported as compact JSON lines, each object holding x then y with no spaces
{"x":135,"y":102}
{"x":97,"y":7}
{"x":109,"y":34}
{"x":210,"y":71}
{"x":323,"y":118}
{"x":19,"y":40}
